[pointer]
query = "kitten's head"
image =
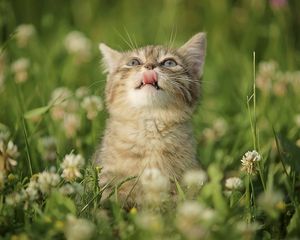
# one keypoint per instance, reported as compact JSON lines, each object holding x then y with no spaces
{"x":154,"y":77}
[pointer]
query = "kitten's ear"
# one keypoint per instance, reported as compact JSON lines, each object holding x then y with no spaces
{"x":194,"y":51}
{"x":110,"y":58}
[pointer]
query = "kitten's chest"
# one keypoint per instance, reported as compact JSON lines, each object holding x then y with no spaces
{"x":154,"y":130}
{"x":148,"y":144}
{"x":158,"y":140}
{"x":150,"y":139}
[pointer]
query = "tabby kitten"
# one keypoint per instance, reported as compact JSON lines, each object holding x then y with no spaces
{"x":151,"y":93}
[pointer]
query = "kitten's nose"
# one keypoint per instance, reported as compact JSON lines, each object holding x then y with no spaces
{"x":149,"y":77}
{"x":149,"y":66}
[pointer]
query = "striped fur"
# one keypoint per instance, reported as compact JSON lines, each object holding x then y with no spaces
{"x":149,"y":128}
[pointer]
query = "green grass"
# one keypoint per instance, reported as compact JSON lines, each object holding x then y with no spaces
{"x":249,"y":102}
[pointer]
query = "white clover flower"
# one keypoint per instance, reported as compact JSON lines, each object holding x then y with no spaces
{"x":12,"y":149}
{"x":4,"y":135}
{"x":280,"y":88}
{"x":57,"y":112}
{"x":82,"y":92}
{"x":297,"y":120}
{"x":24,"y":34}
{"x":233,"y":183}
{"x":8,"y":154}
{"x":188,"y":219}
{"x":191,"y":216}
{"x":220,"y":126}
{"x":267,"y":68}
{"x":47,"y":181}
{"x":78,"y":228}
{"x":208,"y":215}
{"x":249,"y":162}
{"x":71,"y":124}
{"x":194,"y":178}
{"x":2,"y":180}
{"x":14,"y":199}
{"x":48,"y":148}
{"x":216,"y":131}
{"x":20,"y":69}
{"x":72,"y":105}
{"x":152,"y":179}
{"x":190,"y":211}
{"x":155,"y":185}
{"x":59,"y":101}
{"x":32,"y":189}
{"x":248,"y":230}
{"x":149,"y":221}
{"x":263,"y":83}
{"x":71,"y":166}
{"x":60,"y":95}
{"x":67,"y":189}
{"x":266,"y":72}
{"x":79,"y":45}
{"x":92,"y":105}
{"x":298,"y":143}
{"x":209,"y":134}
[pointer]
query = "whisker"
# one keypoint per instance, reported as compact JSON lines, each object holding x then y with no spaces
{"x":96,"y":83}
{"x":189,"y":80}
{"x":123,"y":39}
{"x":134,"y":41}
{"x":170,"y":39}
{"x":174,"y":36}
{"x":184,"y":93}
{"x":129,"y":38}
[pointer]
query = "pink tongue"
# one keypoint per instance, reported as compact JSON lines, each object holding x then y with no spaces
{"x":149,"y":77}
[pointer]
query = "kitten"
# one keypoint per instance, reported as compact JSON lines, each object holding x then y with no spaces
{"x":151,"y":93}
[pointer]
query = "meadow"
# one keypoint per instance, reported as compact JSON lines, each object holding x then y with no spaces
{"x":52,"y":117}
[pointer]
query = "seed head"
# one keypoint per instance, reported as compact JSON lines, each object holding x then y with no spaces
{"x":32,"y":189}
{"x":155,"y":185}
{"x":249,"y":162}
{"x":78,"y":228}
{"x":92,"y":105}
{"x":24,"y":33}
{"x":8,"y":154}
{"x":20,"y":69}
{"x":47,"y":181}
{"x":71,"y":166}
{"x":78,"y":45}
{"x":233,"y":183}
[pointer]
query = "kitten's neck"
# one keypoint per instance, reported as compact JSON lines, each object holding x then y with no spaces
{"x":168,"y":116}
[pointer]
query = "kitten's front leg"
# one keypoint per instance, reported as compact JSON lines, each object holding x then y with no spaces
{"x":118,"y":187}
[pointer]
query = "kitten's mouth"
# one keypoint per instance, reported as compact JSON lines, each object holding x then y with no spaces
{"x":154,"y":84}
{"x":149,"y":78}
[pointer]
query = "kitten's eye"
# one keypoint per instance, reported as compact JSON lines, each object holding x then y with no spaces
{"x":169,"y":63}
{"x":133,"y":62}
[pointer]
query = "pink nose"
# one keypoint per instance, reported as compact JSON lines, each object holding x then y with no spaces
{"x":149,"y":77}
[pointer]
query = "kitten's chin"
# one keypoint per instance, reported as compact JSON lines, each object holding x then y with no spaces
{"x":148,"y":96}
